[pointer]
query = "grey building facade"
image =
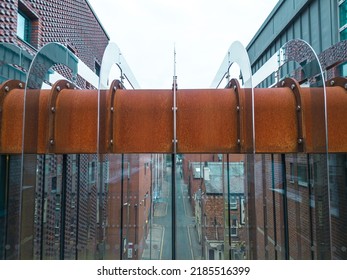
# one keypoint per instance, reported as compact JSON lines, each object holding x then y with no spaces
{"x":314,"y":21}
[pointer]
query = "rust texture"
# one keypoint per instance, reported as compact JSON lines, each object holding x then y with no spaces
{"x":337,"y":119}
{"x":287,"y":119}
{"x":142,"y":121}
{"x":206,"y":119}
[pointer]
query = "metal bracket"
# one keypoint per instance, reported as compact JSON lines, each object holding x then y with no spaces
{"x":174,"y":110}
{"x":295,"y":87}
{"x":115,"y":85}
{"x":5,"y":89}
{"x":234,"y":84}
{"x":56,"y":89}
{"x":337,"y":81}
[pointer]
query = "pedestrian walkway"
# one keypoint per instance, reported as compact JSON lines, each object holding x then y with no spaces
{"x":160,"y":209}
{"x":154,"y":243}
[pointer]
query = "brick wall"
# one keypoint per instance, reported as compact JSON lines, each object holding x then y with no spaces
{"x":72,"y":23}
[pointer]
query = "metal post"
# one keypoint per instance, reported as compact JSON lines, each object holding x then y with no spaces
{"x":174,"y":142}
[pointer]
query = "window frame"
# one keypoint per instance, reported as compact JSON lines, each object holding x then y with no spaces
{"x":302,"y":181}
{"x":233,"y":227}
{"x":27,"y":22}
{"x":233,"y":204}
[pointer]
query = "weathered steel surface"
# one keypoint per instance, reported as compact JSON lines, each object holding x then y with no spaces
{"x":141,"y":121}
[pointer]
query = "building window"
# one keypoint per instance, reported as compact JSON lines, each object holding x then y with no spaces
{"x":242,"y":211}
{"x":97,"y":68}
{"x":211,"y":254}
{"x":23,"y":27}
{"x":54,"y":184}
{"x":343,"y":13}
{"x":233,"y":226}
{"x":233,"y":202}
{"x":91,"y":171}
{"x":302,"y":175}
{"x":291,"y":170}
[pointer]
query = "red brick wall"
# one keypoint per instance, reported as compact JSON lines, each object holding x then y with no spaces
{"x":70,"y":22}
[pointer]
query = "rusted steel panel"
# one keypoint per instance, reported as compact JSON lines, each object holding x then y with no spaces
{"x":143,"y":121}
{"x":76,"y":122}
{"x":275,"y":121}
{"x":337,"y":119}
{"x":12,"y":122}
{"x":206,"y":121}
{"x":314,"y":120}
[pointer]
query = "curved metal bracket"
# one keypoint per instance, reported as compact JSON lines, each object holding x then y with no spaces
{"x":295,"y":87}
{"x":56,"y":89}
{"x":115,"y":85}
{"x":337,"y":81}
{"x":235,"y":85}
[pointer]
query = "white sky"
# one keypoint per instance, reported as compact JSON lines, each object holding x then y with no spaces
{"x":146,"y":31}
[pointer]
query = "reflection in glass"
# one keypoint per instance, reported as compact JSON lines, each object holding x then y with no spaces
{"x":138,"y":219}
{"x":14,"y":64}
{"x":294,"y":219}
{"x":209,"y":226}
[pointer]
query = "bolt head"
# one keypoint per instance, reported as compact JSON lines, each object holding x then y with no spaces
{"x":292,"y":86}
{"x":7,"y":89}
{"x":332,"y":82}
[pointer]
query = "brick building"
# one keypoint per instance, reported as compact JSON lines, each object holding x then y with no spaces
{"x":60,"y":213}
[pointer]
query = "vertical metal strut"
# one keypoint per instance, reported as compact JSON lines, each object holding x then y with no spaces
{"x":174,"y":143}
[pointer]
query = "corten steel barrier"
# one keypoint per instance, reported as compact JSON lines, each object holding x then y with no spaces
{"x":141,"y":121}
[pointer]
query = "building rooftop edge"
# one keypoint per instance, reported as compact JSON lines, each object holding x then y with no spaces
{"x":97,"y":18}
{"x":266,"y":21}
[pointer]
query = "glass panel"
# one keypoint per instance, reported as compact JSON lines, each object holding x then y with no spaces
{"x":209,"y":225}
{"x":23,"y":27}
{"x":338,"y":211}
{"x":238,"y":244}
{"x":137,"y":186}
{"x":293,"y":209}
{"x":57,"y":210}
{"x":14,"y":63}
{"x":343,"y":34}
{"x":138,"y":214}
{"x":134,"y":209}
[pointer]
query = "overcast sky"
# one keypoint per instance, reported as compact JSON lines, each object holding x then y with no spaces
{"x":146,"y":31}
